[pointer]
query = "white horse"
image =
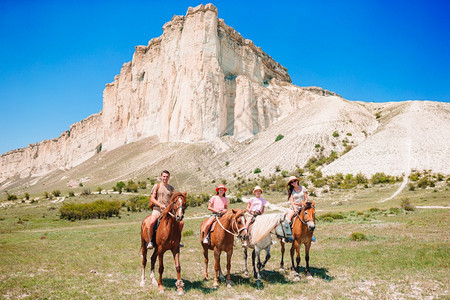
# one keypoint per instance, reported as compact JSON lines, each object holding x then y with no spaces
{"x":260,"y":239}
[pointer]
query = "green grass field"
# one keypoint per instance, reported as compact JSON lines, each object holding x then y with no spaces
{"x":405,"y":254}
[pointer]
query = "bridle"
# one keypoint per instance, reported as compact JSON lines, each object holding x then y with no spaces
{"x":236,"y":232}
{"x":305,"y":222}
{"x":172,"y":212}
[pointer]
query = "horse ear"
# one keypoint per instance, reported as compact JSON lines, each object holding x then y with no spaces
{"x":313,"y":203}
{"x":234,"y":211}
{"x":184,"y":194}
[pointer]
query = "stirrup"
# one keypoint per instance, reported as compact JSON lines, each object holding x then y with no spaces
{"x":150,"y":245}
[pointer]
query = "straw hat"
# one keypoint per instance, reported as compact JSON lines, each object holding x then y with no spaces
{"x":292,"y":178}
{"x":257,"y":188}
{"x":221,"y":186}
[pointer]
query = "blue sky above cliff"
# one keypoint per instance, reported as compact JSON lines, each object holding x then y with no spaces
{"x":57,"y":56}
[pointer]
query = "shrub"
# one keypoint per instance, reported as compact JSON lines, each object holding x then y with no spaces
{"x":378,"y":115}
{"x":27,"y":196}
{"x":99,"y":190}
{"x":86,"y":192}
{"x":257,"y":170}
{"x":327,"y":219}
{"x":277,"y":169}
{"x":196,"y":200}
{"x":382,"y":178}
{"x":394,"y":210}
{"x":349,"y":134}
{"x":374,"y":209}
{"x":406,"y":205}
{"x":331,"y":215}
{"x":361,"y":178}
{"x":358,"y":236}
{"x":227,"y":163}
{"x":56,"y":193}
{"x":137,"y":203}
{"x":284,"y":173}
{"x":317,"y":146}
{"x":142,"y":185}
{"x":96,"y":210}
{"x":279,"y":137}
{"x":335,"y":134}
{"x":46,"y":194}
{"x":12,"y":197}
{"x":131,"y":186}
{"x":188,"y":232}
{"x":411,"y":187}
{"x":119,"y":186}
{"x":71,"y":194}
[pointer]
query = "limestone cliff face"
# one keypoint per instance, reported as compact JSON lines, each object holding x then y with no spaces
{"x":199,"y":80}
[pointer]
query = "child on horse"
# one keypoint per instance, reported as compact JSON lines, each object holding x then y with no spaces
{"x":255,"y":207}
{"x":218,"y":204}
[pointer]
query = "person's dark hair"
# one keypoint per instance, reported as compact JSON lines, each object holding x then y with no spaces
{"x":290,"y":189}
{"x":165,"y":171}
{"x":224,"y":193}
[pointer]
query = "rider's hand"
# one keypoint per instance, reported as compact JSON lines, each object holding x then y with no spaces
{"x":163,"y":206}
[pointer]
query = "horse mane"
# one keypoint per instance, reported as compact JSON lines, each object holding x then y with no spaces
{"x":172,"y":201}
{"x":263,"y":225}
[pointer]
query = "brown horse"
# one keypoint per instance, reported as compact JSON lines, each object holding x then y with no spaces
{"x":168,"y":237}
{"x":231,"y":224}
{"x":303,"y":227}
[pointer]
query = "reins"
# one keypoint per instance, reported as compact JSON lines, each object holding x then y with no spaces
{"x":233,"y":222}
{"x":302,"y":221}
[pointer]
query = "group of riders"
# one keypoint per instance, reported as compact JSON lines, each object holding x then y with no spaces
{"x":218,"y":204}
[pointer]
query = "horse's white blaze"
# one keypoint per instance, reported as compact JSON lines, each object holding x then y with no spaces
{"x":180,"y":208}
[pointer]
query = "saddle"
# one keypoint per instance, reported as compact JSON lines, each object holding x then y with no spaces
{"x":284,"y":231}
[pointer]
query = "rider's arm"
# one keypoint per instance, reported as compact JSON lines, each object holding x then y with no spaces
{"x":291,"y":199}
{"x":210,"y":206}
{"x":154,"y":201}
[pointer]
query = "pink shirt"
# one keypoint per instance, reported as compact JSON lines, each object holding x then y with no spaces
{"x":218,"y":203}
{"x":257,"y":204}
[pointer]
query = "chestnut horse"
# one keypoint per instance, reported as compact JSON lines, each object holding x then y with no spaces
{"x":168,"y":236}
{"x":303,"y":226}
{"x":231,"y":224}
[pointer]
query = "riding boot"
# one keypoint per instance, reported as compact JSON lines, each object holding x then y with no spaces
{"x":206,"y":239}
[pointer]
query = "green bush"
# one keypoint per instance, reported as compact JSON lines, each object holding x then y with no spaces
{"x":71,"y":194}
{"x":188,"y":232}
{"x":406,"y":205}
{"x":394,"y":210}
{"x":412,"y":187}
{"x":27,"y":196}
{"x":142,"y":185}
{"x":12,"y":197}
{"x":227,"y":163}
{"x":327,"y":219}
{"x":257,"y":170}
{"x":119,"y":186}
{"x":331,"y":215}
{"x":335,"y":134}
{"x":56,"y":193}
{"x":196,"y":200}
{"x":131,"y":186}
{"x":358,"y":236}
{"x":46,"y":195}
{"x":279,"y":137}
{"x":137,"y":203}
{"x":99,"y":209}
{"x":374,"y":209}
{"x":382,"y":178}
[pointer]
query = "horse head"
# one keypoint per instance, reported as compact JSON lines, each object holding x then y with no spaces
{"x":308,"y":215}
{"x":178,"y":201}
{"x":238,"y":223}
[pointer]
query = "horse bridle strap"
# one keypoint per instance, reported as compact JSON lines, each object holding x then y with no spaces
{"x":304,"y":222}
{"x":233,"y":222}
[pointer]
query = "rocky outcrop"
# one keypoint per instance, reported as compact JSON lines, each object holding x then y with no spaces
{"x":199,"y":80}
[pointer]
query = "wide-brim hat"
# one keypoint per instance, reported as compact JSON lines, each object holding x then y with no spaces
{"x":257,"y":188}
{"x":221,"y":186}
{"x":292,"y":178}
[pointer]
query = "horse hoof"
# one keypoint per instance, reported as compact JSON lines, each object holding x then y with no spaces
{"x":142,"y":283}
{"x":229,"y":283}
{"x":215,"y":285}
{"x":161,"y":291}
{"x":281,"y":269}
{"x":296,"y":277}
{"x":180,"y":293}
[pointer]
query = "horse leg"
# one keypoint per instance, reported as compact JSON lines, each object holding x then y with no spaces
{"x":245,"y":262}
{"x":282,"y":256}
{"x":216,"y":267}
{"x":255,"y":275}
{"x":152,"y":267}
{"x":294,"y":243}
{"x":266,"y":259}
{"x":307,"y":247}
{"x":144,"y":260}
{"x":205,"y":254}
{"x":297,"y":259}
{"x":161,"y":270}
{"x":179,"y":284}
{"x":229,"y":254}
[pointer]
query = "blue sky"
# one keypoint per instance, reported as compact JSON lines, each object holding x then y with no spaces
{"x":57,"y":56}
